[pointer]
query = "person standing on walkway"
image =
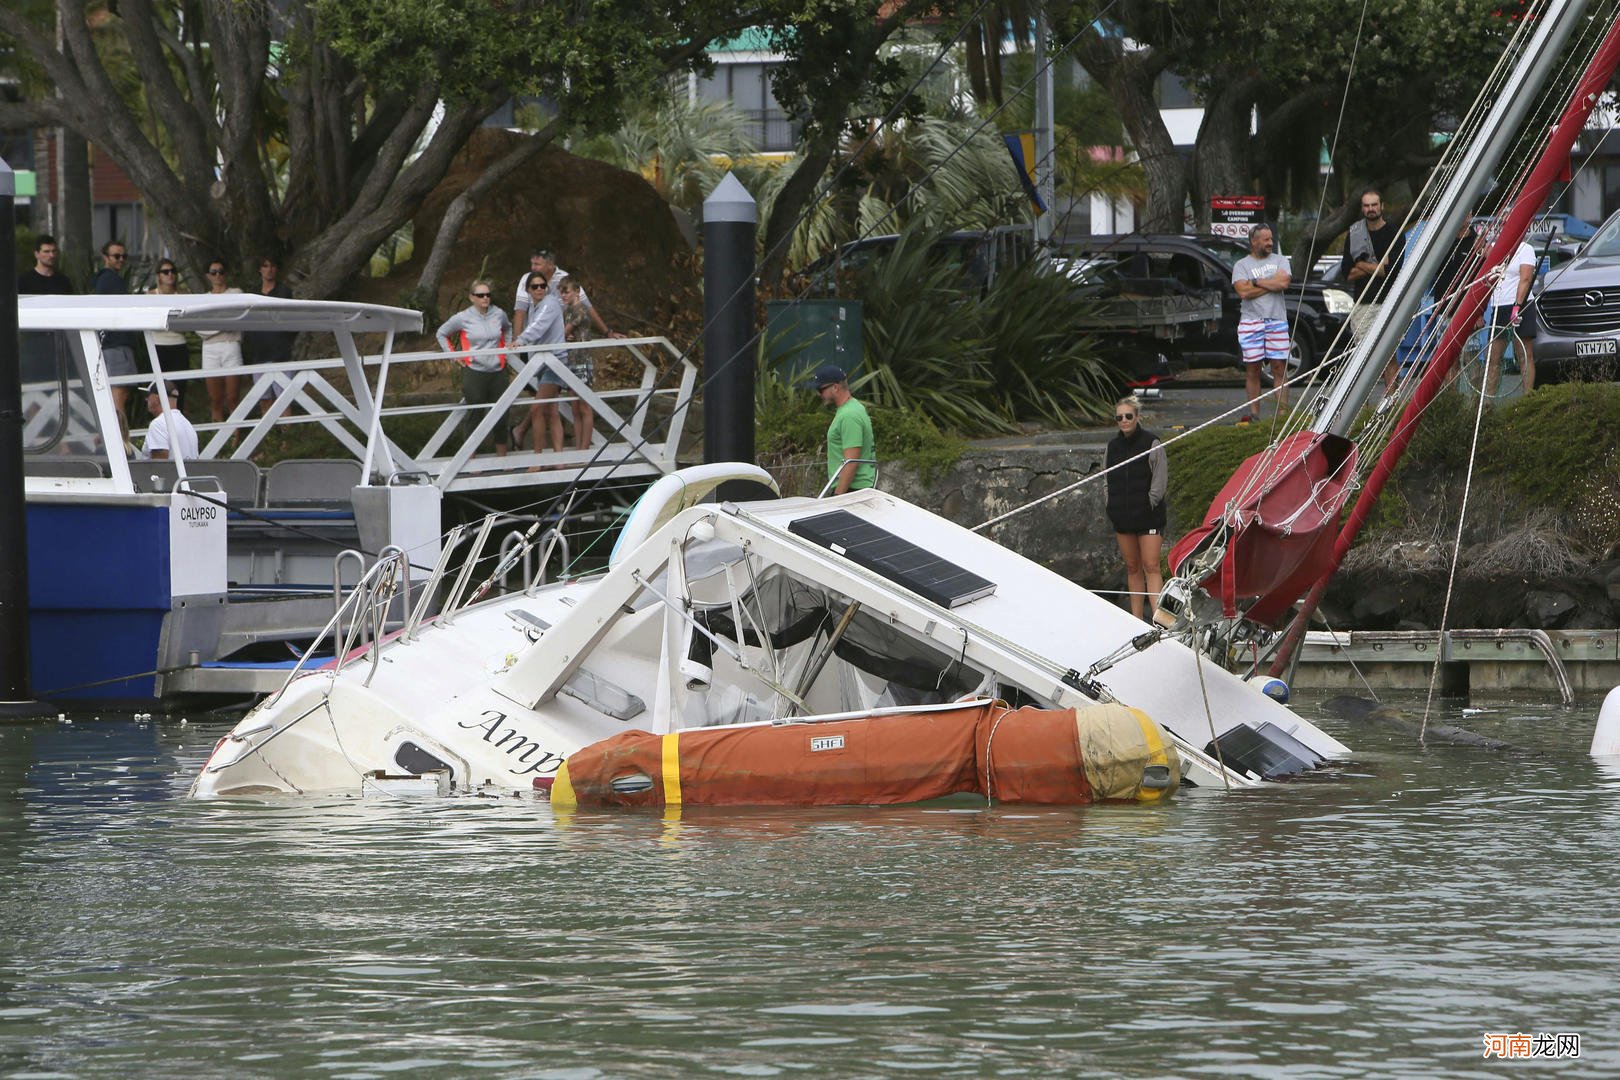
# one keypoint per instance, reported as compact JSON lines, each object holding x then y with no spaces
{"x":172,"y":353}
{"x":42,"y":351}
{"x":851,"y":448}
{"x":222,"y":352}
{"x":1372,"y":253}
{"x":480,"y":326}
{"x":270,"y":348}
{"x":1260,"y":278}
{"x":117,"y":346}
{"x":1507,"y":304}
{"x":1138,"y":479}
{"x":546,"y":326}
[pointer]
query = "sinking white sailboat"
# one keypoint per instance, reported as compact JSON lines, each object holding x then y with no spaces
{"x":776,"y":613}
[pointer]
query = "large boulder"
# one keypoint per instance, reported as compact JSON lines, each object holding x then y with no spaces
{"x":608,"y":227}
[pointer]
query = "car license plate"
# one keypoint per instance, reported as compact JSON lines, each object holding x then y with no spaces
{"x":1597,"y":347}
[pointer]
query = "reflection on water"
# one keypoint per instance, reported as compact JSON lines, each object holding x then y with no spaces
{"x":1374,"y":924}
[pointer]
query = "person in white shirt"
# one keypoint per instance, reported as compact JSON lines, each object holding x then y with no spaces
{"x":1518,"y":276}
{"x":221,"y":351}
{"x":170,"y":434}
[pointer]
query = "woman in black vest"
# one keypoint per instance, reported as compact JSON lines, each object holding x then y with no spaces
{"x":1138,"y":477}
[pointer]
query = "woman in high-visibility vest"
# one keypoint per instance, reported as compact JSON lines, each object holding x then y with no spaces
{"x":479,"y":334}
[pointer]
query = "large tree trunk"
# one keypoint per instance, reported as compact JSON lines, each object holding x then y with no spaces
{"x":790,"y":202}
{"x":73,"y":198}
{"x":1220,"y":163}
{"x":1128,"y":76}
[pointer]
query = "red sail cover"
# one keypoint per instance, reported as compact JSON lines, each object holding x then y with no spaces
{"x":1283,"y":518}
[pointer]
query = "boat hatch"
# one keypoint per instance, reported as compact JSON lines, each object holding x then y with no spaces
{"x":893,"y":557}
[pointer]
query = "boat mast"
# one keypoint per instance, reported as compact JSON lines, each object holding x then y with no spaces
{"x":1530,"y":197}
{"x":1421,"y":265}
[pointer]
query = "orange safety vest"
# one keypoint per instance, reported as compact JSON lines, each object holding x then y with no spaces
{"x":467,"y":361}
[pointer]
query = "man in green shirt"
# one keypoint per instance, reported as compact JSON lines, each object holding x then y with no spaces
{"x":850,"y":447}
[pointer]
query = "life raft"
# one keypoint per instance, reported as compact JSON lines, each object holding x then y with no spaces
{"x":1029,"y":755}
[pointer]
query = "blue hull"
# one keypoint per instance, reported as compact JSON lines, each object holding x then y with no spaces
{"x":98,"y":590}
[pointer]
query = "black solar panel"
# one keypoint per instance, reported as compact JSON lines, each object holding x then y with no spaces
{"x":894,"y":558}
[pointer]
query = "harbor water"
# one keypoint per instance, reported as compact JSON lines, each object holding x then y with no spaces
{"x":1381,"y":922}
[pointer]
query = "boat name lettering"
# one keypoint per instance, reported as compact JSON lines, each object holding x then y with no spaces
{"x":198,"y":513}
{"x":517,"y":746}
{"x":827,"y":742}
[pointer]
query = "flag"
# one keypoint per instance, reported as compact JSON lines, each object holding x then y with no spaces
{"x":1021,"y":145}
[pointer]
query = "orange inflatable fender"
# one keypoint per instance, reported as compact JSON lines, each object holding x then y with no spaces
{"x":1029,"y":755}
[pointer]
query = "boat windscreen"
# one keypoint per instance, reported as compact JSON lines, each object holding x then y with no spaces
{"x":793,"y":611}
{"x":60,"y":429}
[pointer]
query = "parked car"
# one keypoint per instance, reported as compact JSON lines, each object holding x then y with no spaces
{"x":1579,"y":312}
{"x":1156,"y":263}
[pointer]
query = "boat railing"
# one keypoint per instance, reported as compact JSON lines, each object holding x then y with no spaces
{"x":531,"y":558}
{"x":364,"y":609}
{"x":425,"y":425}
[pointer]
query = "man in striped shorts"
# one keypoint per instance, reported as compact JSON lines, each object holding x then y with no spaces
{"x":1260,"y":278}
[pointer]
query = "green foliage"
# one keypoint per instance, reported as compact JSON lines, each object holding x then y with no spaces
{"x":1543,"y":444}
{"x":1202,"y":463}
{"x":682,"y":148}
{"x":790,"y":431}
{"x":976,"y":362}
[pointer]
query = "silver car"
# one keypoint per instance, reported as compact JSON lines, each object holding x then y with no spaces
{"x":1579,"y":312}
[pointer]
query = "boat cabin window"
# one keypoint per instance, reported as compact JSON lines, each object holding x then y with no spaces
{"x":59,"y":417}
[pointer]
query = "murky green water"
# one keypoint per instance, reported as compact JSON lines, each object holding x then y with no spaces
{"x":1375,"y":925}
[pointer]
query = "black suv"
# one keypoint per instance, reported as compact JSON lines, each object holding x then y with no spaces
{"x":1155,"y":264}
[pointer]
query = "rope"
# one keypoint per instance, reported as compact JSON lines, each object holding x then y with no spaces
{"x":1456,"y":556}
{"x":1209,"y":715}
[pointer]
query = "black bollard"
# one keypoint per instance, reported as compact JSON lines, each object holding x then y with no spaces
{"x":16,"y":693}
{"x":729,"y":215}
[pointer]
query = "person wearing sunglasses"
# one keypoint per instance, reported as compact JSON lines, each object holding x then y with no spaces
{"x":1138,"y":478}
{"x":118,"y":347}
{"x":172,"y":353}
{"x":221,"y":351}
{"x":479,"y":334}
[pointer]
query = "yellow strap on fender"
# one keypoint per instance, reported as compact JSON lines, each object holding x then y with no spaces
{"x":1156,"y":754}
{"x":672,"y":769}
{"x":562,"y":789}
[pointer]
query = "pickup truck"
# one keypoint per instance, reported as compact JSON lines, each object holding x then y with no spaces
{"x":1161,"y":264}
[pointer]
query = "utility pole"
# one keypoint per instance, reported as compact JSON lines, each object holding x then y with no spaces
{"x":16,"y":693}
{"x":1045,"y":184}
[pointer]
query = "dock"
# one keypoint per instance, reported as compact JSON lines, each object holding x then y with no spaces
{"x":1471,"y":661}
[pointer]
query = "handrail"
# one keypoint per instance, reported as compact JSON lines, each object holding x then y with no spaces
{"x":451,"y":542}
{"x":474,"y":553}
{"x":361,"y":592}
{"x":643,"y":440}
{"x":833,"y":479}
{"x":337,"y":574}
{"x":552,"y":538}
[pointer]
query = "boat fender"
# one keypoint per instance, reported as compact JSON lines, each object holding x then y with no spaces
{"x":1271,"y":686}
{"x":1606,"y":739}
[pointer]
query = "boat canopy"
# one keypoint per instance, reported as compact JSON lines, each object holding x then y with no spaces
{"x":181,"y":312}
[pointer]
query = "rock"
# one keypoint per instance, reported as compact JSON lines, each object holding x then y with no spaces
{"x":1591,"y":617}
{"x":1548,"y":609}
{"x":609,"y":228}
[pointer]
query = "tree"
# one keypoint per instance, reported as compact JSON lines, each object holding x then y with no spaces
{"x":1417,"y":65}
{"x":313,"y":129}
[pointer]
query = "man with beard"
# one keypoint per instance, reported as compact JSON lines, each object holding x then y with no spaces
{"x":1260,"y":278}
{"x":1372,"y":250}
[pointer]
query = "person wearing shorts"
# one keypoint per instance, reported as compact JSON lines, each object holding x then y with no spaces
{"x":221,"y":351}
{"x":545,"y":327}
{"x":1260,"y":278}
{"x":1138,"y":480}
{"x":1508,"y":301}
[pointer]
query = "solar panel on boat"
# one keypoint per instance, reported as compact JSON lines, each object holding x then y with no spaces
{"x":893,"y":557}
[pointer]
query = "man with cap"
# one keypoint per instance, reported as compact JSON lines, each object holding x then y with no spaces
{"x":170,"y":433}
{"x":850,"y":447}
